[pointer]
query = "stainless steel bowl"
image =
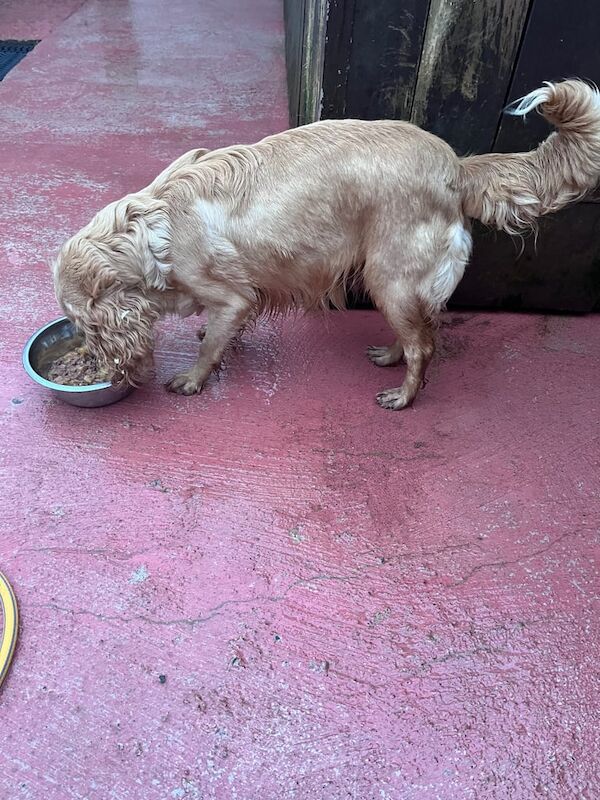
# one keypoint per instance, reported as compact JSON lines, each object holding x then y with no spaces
{"x":52,"y":341}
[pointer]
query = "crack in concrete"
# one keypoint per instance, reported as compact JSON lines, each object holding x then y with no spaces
{"x":408,"y":556}
{"x":216,"y":610}
{"x":210,"y":614}
{"x":509,"y":562}
{"x":421,"y":455}
{"x":119,"y":555}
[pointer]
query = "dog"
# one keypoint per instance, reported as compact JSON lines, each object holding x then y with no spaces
{"x":292,"y":221}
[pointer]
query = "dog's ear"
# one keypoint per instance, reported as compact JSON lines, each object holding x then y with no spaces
{"x":99,"y":280}
{"x":141,"y":241}
{"x":102,"y":283}
{"x":117,"y":320}
{"x":118,"y":328}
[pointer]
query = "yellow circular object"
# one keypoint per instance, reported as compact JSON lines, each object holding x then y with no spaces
{"x":10,"y":614}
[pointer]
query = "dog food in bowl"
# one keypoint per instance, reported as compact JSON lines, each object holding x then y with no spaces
{"x":49,"y":345}
{"x":76,"y":367}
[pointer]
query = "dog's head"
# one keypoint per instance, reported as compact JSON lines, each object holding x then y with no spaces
{"x":107,"y":279}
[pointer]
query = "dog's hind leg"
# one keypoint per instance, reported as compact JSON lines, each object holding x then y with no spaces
{"x":411,"y":294}
{"x":223,"y":323}
{"x":410,"y":320}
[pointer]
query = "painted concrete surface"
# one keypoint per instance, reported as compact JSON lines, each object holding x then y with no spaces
{"x":277,"y":589}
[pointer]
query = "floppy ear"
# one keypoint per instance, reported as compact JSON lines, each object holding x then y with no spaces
{"x":117,"y":324}
{"x":141,"y":240}
{"x":113,"y":268}
{"x":144,"y":224}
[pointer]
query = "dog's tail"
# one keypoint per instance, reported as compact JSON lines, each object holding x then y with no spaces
{"x":511,"y":191}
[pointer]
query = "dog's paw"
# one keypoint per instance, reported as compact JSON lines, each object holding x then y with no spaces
{"x":383,"y":356}
{"x":394,"y":399}
{"x":186,"y":383}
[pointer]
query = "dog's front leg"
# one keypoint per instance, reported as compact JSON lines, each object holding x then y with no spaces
{"x":222,"y":324}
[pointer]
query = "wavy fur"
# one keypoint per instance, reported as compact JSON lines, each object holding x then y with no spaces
{"x":512,"y":191}
{"x":295,"y":219}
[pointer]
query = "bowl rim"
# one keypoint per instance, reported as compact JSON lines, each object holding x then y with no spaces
{"x":57,"y":387}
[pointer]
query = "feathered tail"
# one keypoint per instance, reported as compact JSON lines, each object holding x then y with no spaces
{"x":511,"y":191}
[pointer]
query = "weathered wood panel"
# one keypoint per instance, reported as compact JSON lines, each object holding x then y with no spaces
{"x":294,"y":44}
{"x":386,"y":44}
{"x":305,"y":23}
{"x":336,"y":67}
{"x":371,"y":58}
{"x":559,"y":272}
{"x":315,"y":38}
{"x":465,"y":69}
{"x":562,"y":41}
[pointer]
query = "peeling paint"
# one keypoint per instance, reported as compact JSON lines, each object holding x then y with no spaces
{"x":140,"y":574}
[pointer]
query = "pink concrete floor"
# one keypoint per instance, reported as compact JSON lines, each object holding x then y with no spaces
{"x":342,"y":602}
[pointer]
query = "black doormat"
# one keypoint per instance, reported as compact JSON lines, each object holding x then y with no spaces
{"x":11,"y":52}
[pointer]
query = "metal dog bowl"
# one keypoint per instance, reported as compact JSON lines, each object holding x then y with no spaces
{"x":53,"y":341}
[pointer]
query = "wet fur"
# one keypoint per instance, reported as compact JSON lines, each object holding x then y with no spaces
{"x":291,"y":221}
